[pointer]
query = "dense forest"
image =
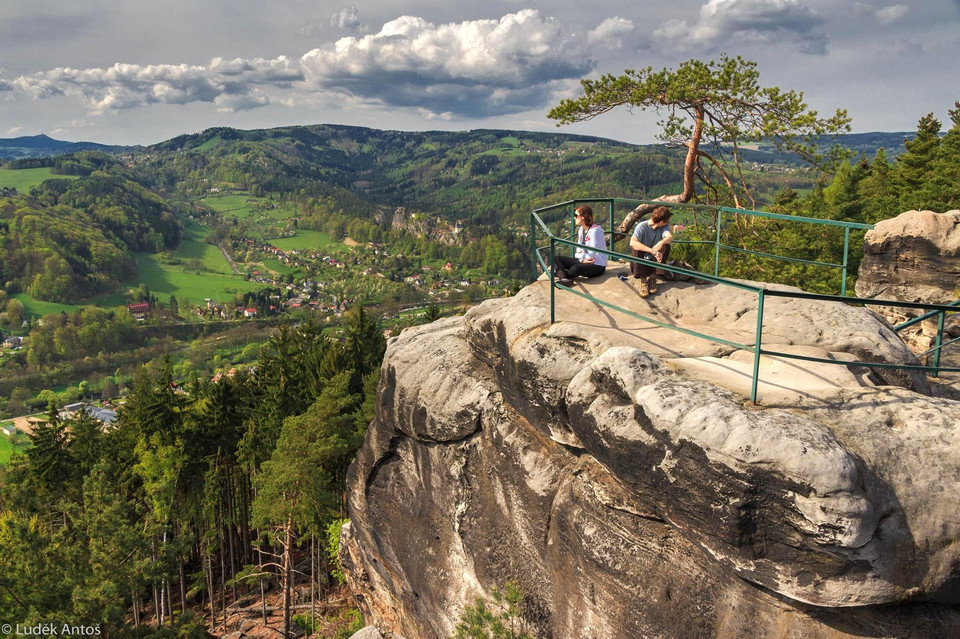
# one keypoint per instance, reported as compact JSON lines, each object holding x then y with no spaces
{"x":196,"y":496}
{"x":208,"y":494}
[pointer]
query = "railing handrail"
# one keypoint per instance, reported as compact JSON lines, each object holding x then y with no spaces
{"x":761,"y":291}
{"x":925,"y":316}
{"x":710,"y":207}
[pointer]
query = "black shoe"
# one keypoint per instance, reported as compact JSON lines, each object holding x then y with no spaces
{"x":565,"y":281}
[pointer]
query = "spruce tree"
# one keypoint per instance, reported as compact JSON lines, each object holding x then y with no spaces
{"x":916,"y":167}
{"x":878,"y":190}
{"x":942,"y":191}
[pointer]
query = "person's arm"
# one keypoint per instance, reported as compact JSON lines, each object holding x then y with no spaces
{"x":666,"y":239}
{"x":582,"y":239}
{"x":637,"y":245}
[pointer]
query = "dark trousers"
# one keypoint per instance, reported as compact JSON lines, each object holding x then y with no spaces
{"x":575,"y":268}
{"x":647,"y":268}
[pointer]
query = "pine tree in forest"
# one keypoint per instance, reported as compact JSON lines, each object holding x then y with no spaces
{"x":878,"y":190}
{"x":942,"y":191}
{"x":916,"y":167}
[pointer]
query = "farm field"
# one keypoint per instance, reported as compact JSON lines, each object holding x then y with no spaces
{"x":7,"y":448}
{"x":210,"y":255}
{"x":304,"y":241}
{"x":37,"y":308}
{"x":23,"y":179}
{"x":192,"y":247}
{"x":277,"y":266}
{"x":243,"y":206}
{"x":165,"y":280}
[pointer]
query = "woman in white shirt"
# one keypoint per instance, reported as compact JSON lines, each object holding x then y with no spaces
{"x":587,"y":263}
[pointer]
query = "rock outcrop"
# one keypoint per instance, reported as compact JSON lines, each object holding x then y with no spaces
{"x":617,"y":472}
{"x":914,"y":257}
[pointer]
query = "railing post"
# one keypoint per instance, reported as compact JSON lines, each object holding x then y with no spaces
{"x":610,"y":211}
{"x":757,"y":349}
{"x":533,"y":246}
{"x":939,"y":344}
{"x":553,"y":283}
{"x":846,"y":257}
{"x":716,"y":246}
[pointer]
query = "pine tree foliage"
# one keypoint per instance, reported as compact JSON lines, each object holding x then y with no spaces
{"x":138,"y":524}
{"x":713,"y":109}
{"x":916,"y":166}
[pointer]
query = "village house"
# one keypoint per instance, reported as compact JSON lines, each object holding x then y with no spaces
{"x":139,"y":310}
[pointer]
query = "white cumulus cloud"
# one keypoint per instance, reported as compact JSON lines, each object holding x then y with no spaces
{"x":346,"y":19}
{"x":474,"y":68}
{"x":722,"y":21}
{"x":889,"y":15}
{"x":126,"y":86}
{"x":611,"y":33}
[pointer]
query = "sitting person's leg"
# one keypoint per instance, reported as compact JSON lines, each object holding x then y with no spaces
{"x":562,"y":264}
{"x":644,"y":268}
{"x":666,"y":259}
{"x":635,"y":267}
{"x":585,"y":270}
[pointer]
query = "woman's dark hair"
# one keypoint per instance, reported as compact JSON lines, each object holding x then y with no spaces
{"x":586,"y":214}
{"x":660,"y":214}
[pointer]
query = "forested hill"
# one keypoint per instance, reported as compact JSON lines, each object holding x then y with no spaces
{"x":36,"y":146}
{"x":476,"y":175}
{"x":338,"y":179}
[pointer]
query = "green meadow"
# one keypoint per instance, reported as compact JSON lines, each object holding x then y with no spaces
{"x":37,"y":308}
{"x":7,"y":448}
{"x":304,"y":241}
{"x":164,"y":280}
{"x":244,"y":206}
{"x":277,"y":266}
{"x":192,"y":247}
{"x":23,"y":179}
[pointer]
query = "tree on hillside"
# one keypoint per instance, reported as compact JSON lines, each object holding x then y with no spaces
{"x":878,"y":190}
{"x":943,"y":189}
{"x":299,"y":487}
{"x":915,"y":167}
{"x":712,"y":109}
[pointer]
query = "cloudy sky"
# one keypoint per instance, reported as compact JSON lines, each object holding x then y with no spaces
{"x":143,"y":71}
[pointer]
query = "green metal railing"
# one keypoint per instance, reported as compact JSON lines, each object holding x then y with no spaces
{"x":537,"y":224}
{"x":719,"y":213}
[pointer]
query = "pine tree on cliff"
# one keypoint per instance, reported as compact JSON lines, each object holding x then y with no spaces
{"x":712,"y":109}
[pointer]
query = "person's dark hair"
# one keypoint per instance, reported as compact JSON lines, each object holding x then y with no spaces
{"x":660,"y":214}
{"x":586,"y":214}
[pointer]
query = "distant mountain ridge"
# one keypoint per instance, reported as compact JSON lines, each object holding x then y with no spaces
{"x":38,"y":146}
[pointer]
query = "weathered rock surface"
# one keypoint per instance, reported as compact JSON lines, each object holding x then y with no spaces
{"x":915,"y":257}
{"x":617,"y":473}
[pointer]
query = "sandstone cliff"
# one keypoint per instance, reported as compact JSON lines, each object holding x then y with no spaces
{"x":617,"y":472}
{"x":915,"y":257}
